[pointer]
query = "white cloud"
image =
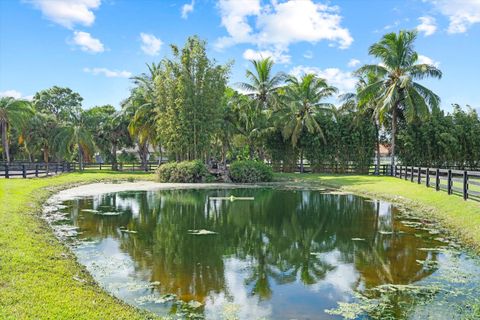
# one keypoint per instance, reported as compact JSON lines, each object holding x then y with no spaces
{"x":276,"y":25}
{"x":150,"y":44}
{"x":11,"y":93}
{"x":462,"y":14}
{"x":277,"y":56}
{"x":187,"y":8}
{"x":353,"y":63}
{"x":87,"y":42}
{"x":427,"y":60}
{"x":108,"y":73}
{"x":344,"y":81}
{"x":308,"y":54}
{"x":427,"y":25}
{"x":68,"y":13}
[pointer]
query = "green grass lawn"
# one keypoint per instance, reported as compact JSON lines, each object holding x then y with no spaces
{"x":40,"y":278}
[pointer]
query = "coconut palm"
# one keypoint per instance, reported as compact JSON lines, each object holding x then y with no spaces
{"x":397,"y":89}
{"x":13,"y":113}
{"x":75,"y":135}
{"x":263,"y":85}
{"x":302,"y":101}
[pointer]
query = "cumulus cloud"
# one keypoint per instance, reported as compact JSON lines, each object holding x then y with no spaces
{"x":427,"y":60}
{"x":68,"y":13}
{"x":86,"y":42}
{"x":276,"y":25}
{"x":108,"y":73}
{"x":276,"y":56}
{"x":11,"y":93}
{"x":462,"y":14}
{"x":344,"y":81}
{"x":427,"y":25}
{"x":353,"y":63}
{"x":187,"y":8}
{"x":150,"y":44}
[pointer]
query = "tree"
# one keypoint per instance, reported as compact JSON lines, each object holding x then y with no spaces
{"x":109,"y":130}
{"x":62,"y":102}
{"x":369,"y":106}
{"x":13,"y":113}
{"x":263,"y":85}
{"x":303,"y":99}
{"x":75,"y":135}
{"x":189,"y":91}
{"x":397,"y":90}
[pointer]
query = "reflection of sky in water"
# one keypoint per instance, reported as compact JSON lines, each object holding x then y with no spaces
{"x":125,"y":263}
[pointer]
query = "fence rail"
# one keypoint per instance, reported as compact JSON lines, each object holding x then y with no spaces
{"x":461,"y":182}
{"x":29,"y":169}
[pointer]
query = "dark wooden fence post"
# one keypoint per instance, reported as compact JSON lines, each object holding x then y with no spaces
{"x":427,"y":178}
{"x":437,"y":179}
{"x":465,"y":185}
{"x":419,"y":177}
{"x":100,"y":166}
{"x":411,"y":174}
{"x":7,"y":175}
{"x":56,"y":167}
{"x":24,"y":171}
{"x":449,"y":182}
{"x":406,"y":172}
{"x":36,"y":170}
{"x":400,"y":172}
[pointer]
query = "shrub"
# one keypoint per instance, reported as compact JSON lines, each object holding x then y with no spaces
{"x":248,"y":171}
{"x":183,"y":172}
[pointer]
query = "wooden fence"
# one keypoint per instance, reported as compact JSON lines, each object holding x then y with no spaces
{"x":462,"y":182}
{"x":32,"y":169}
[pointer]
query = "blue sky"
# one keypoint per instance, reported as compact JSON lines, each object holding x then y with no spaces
{"x":94,"y":46}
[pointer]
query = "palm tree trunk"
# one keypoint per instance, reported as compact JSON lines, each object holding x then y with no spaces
{"x":301,"y":160}
{"x":377,"y":140}
{"x":393,"y":138}
{"x":114,"y":157}
{"x":252,"y":151}
{"x":5,"y":142}
{"x":80,"y":158}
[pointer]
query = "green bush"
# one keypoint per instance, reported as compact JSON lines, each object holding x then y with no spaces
{"x":183,"y":172}
{"x":248,"y":171}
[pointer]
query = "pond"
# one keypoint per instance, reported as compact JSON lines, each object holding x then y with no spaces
{"x":268,"y":254}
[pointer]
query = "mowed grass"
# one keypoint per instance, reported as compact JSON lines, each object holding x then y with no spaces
{"x":461,"y":217}
{"x":39,"y":277}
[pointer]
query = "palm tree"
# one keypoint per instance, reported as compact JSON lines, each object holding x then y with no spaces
{"x":13,"y":113}
{"x":302,"y":101}
{"x":397,"y":90}
{"x":75,"y":135}
{"x":262,"y":85}
{"x":369,"y":106}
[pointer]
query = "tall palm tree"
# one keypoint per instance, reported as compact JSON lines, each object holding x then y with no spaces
{"x":263,"y":85}
{"x":13,"y":113}
{"x":75,"y":135}
{"x":369,"y":106}
{"x":302,"y":100}
{"x":397,"y":89}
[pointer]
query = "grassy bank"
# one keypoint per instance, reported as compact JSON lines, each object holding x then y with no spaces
{"x":39,"y":278}
{"x":461,"y":217}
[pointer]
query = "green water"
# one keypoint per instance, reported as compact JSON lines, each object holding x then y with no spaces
{"x":286,"y":254}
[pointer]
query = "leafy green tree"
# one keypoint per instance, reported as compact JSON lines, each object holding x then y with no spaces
{"x":62,"y":102}
{"x":13,"y":113}
{"x":397,"y":88}
{"x":189,"y":91}
{"x":38,"y":134}
{"x":303,"y":99}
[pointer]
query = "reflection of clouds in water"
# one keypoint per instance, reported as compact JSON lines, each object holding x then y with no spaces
{"x":129,"y":203}
{"x":247,"y":307}
{"x":338,"y":283}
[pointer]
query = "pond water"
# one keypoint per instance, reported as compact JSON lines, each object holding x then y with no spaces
{"x":285,"y":254}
